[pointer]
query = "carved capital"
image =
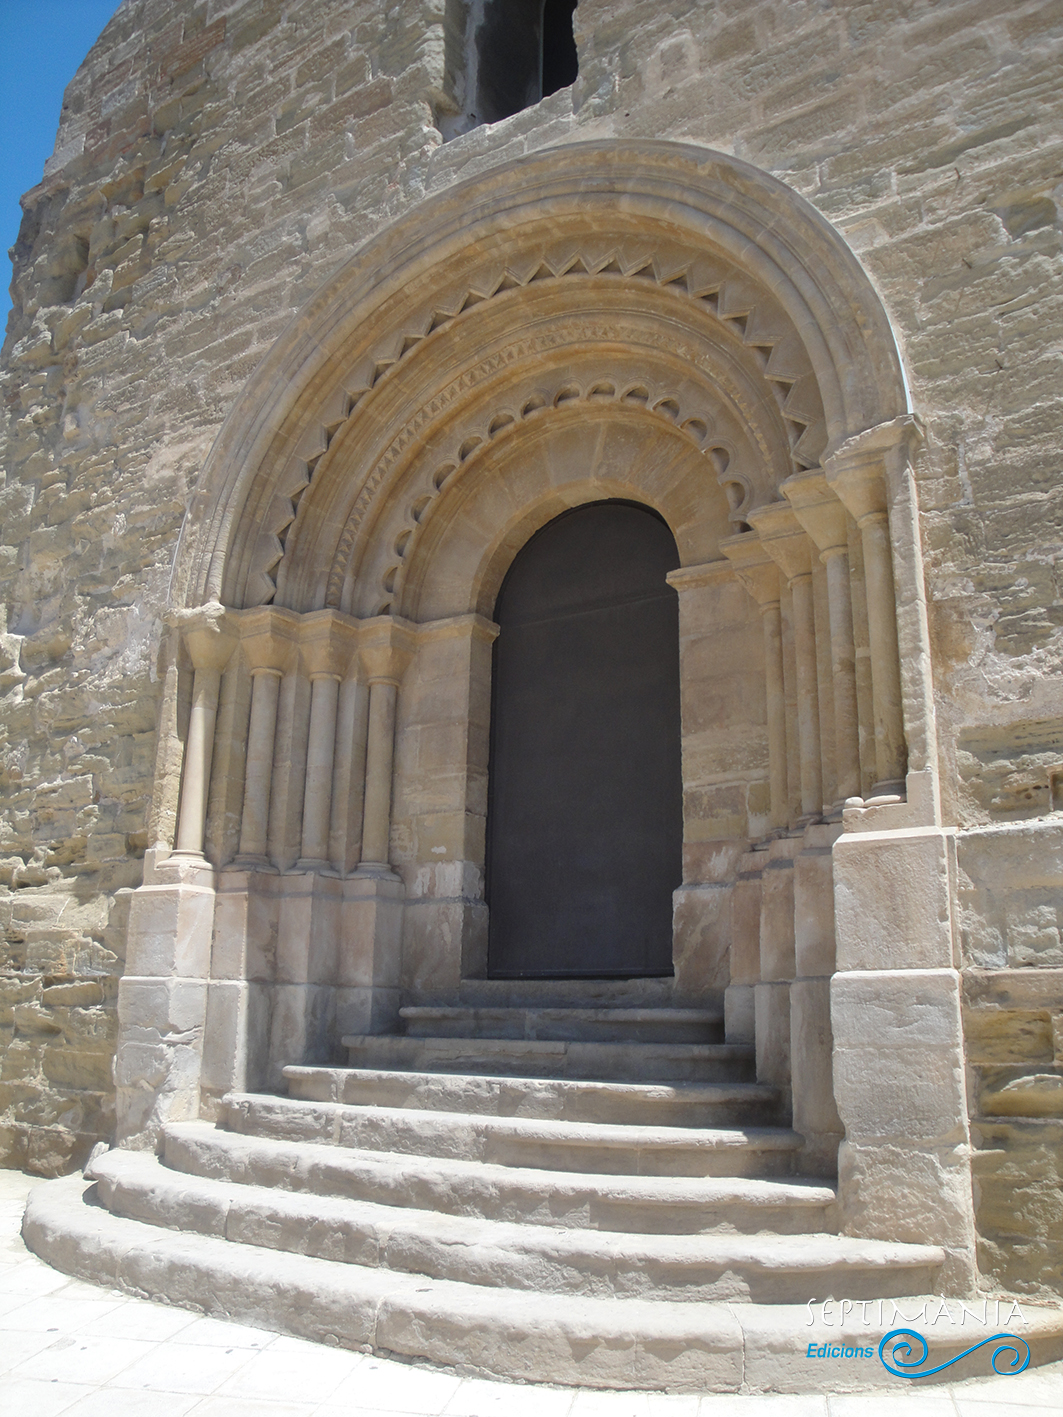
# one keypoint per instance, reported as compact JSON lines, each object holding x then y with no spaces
{"x":857,"y":469}
{"x":207,"y":633}
{"x":783,"y":538}
{"x":268,"y":638}
{"x":327,"y":644}
{"x":819,"y":510}
{"x":753,"y":566}
{"x":385,"y":648}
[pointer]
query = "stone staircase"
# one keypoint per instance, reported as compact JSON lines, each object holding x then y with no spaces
{"x":589,"y":1192}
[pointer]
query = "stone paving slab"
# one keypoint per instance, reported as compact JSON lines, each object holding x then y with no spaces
{"x":74,"y":1349}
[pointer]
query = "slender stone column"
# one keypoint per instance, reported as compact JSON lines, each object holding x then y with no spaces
{"x":807,"y":695}
{"x":890,"y":754}
{"x":193,"y":816}
{"x":209,"y":646}
{"x":824,"y":681}
{"x":859,"y":480}
{"x":289,"y":769}
{"x":327,"y":647}
{"x":758,"y":573}
{"x":784,"y":540}
{"x":385,"y":654}
{"x":843,"y":670}
{"x":254,"y":823}
{"x":380,"y":750}
{"x":823,"y":516}
{"x":267,"y":642}
{"x":317,"y":800}
{"x":771,"y":618}
{"x":348,"y":776}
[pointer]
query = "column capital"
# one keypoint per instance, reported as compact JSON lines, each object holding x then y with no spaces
{"x":857,"y":469}
{"x":327,"y":644}
{"x":696,"y":577}
{"x":753,"y":567}
{"x":207,"y":634}
{"x":385,"y":648}
{"x":471,"y":626}
{"x":267,"y":638}
{"x":783,"y":538}
{"x":819,"y":509}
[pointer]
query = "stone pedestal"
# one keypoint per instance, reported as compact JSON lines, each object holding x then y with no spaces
{"x":811,"y":1041}
{"x":446,"y":905}
{"x":738,"y":1002}
{"x":370,"y":952}
{"x":162,"y":998}
{"x":899,"y":1071}
{"x":776,"y":961}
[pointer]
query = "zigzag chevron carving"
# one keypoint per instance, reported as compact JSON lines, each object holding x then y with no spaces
{"x":750,"y":313}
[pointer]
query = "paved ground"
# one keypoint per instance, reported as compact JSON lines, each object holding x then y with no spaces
{"x":72,"y":1348}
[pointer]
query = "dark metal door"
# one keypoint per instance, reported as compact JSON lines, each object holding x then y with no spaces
{"x":584,"y":818}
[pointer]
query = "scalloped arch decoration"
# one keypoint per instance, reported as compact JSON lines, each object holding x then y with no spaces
{"x":710,"y":240}
{"x":599,"y":393}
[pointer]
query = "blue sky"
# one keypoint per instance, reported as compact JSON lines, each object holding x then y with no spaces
{"x":42,"y":43}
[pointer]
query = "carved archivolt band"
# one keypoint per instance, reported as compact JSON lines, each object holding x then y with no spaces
{"x":687,"y":376}
{"x":705,"y":236}
{"x":468,"y":446}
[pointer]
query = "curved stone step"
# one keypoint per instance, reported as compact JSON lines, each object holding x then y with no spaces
{"x":516,"y":1141}
{"x":691,"y":1104}
{"x":602,"y":1025}
{"x":555,"y":1058}
{"x":545,"y":1259}
{"x":629,"y":1343}
{"x":652,"y":1205}
{"x":649,"y":993}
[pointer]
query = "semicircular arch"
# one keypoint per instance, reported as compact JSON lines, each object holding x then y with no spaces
{"x":714,"y":251}
{"x":570,"y":456}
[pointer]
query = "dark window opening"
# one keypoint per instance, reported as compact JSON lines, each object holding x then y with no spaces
{"x":509,"y":58}
{"x":513,"y":53}
{"x":560,"y":62}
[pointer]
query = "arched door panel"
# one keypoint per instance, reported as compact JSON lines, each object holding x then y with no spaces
{"x":585,"y":789}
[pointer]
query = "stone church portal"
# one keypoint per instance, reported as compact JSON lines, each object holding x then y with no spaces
{"x":531,"y":675}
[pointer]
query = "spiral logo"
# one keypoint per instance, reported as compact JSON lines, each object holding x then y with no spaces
{"x":901,"y":1362}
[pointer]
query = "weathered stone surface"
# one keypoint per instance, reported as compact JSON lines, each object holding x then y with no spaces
{"x":216,"y":165}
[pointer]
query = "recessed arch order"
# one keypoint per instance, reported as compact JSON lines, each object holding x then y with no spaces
{"x":659,"y":283}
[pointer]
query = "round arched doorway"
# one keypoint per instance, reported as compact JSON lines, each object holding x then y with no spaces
{"x":585,"y":811}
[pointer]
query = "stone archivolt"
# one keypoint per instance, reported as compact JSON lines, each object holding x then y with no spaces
{"x":683,"y":358}
{"x":746,"y":313}
{"x":709,"y":238}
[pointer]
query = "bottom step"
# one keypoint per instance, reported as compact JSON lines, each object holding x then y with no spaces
{"x":604,"y":1343}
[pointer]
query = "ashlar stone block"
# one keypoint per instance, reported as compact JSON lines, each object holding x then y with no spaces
{"x":891,"y":900}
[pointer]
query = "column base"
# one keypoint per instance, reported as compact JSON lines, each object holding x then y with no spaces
{"x":236,"y":1041}
{"x":374,"y":871}
{"x":370,"y":936}
{"x":892,"y":788}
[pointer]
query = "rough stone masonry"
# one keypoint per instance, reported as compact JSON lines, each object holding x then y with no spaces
{"x":217,"y":162}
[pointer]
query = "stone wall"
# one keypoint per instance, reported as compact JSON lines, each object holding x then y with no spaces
{"x":216,"y":162}
{"x":1010,"y":880}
